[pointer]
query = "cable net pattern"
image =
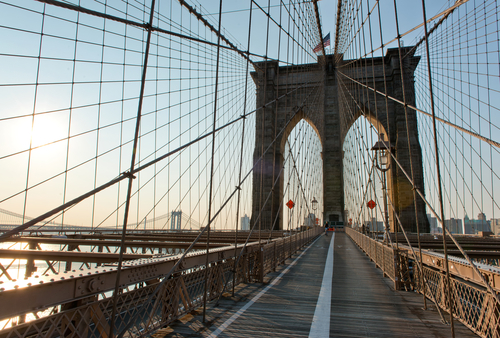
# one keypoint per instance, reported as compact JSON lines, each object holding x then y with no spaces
{"x":149,"y":115}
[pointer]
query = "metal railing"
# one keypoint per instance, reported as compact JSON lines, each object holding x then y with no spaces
{"x":150,"y":304}
{"x":385,"y":257}
{"x":472,"y":304}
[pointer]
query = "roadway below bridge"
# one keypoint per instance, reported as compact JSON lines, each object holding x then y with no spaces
{"x":330,"y":289}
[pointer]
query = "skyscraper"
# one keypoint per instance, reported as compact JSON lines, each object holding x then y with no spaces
{"x":245,"y":222}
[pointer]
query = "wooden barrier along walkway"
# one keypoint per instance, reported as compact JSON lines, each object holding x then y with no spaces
{"x":314,"y":295}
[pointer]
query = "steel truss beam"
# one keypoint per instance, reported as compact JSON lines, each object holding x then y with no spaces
{"x":40,"y":292}
{"x":63,"y":256}
{"x":129,"y":243}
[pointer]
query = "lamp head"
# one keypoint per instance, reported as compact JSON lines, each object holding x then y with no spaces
{"x":381,"y":153}
{"x":314,"y":203}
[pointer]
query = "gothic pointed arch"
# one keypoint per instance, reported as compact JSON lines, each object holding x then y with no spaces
{"x":280,"y":111}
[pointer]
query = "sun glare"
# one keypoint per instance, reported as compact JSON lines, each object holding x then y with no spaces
{"x":46,"y":129}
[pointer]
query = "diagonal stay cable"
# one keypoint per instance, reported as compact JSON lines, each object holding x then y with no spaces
{"x":210,"y":191}
{"x":276,"y":23}
{"x":201,"y":233}
{"x":125,"y":175}
{"x":214,"y":30}
{"x":298,"y":176}
{"x":417,"y":259}
{"x":402,"y":169}
{"x":440,"y":221}
{"x":81,"y":9}
{"x":471,"y":263}
{"x":269,"y":194}
{"x":237,"y":259}
{"x":436,"y":25}
{"x":446,"y":11}
{"x":131,"y":177}
{"x":278,"y":135}
{"x":242,"y":145}
{"x":474,"y":134}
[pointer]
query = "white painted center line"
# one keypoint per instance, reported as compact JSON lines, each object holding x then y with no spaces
{"x":228,"y":322}
{"x":320,"y":326}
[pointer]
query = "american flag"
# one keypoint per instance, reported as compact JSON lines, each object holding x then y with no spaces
{"x":326,"y":42}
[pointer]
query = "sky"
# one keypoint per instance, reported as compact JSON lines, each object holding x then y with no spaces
{"x":99,"y":78}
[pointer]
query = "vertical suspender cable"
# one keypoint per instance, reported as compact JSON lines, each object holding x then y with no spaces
{"x":263,"y":119}
{"x":410,"y":153}
{"x":438,"y":172}
{"x":35,"y":96}
{"x":212,"y":163}
{"x":65,"y":187}
{"x":385,"y":96}
{"x":131,"y":176}
{"x":276,"y":95}
{"x":241,"y":149}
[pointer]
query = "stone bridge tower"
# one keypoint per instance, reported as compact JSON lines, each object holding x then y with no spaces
{"x":316,"y":100}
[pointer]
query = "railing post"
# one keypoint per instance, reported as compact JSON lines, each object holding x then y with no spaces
{"x":444,"y":297}
{"x":383,"y":260}
{"x":397,"y":284}
{"x":261,"y":264}
{"x":289,"y":247}
{"x":30,"y":262}
{"x":371,"y":246}
{"x":275,"y":257}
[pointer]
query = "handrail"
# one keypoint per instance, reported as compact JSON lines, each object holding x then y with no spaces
{"x":475,"y":306}
{"x":179,"y":295}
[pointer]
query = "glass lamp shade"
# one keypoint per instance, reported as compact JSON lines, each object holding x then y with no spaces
{"x":383,"y":160}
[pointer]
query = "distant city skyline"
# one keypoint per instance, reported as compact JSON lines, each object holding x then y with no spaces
{"x":466,"y":225}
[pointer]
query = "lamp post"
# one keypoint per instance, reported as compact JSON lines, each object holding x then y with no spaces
{"x":314,"y":205}
{"x":382,"y":163}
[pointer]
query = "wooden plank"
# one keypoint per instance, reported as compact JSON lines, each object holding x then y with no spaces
{"x":364,"y":303}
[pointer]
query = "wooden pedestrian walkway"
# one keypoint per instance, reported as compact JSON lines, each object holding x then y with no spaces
{"x":300,"y":300}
